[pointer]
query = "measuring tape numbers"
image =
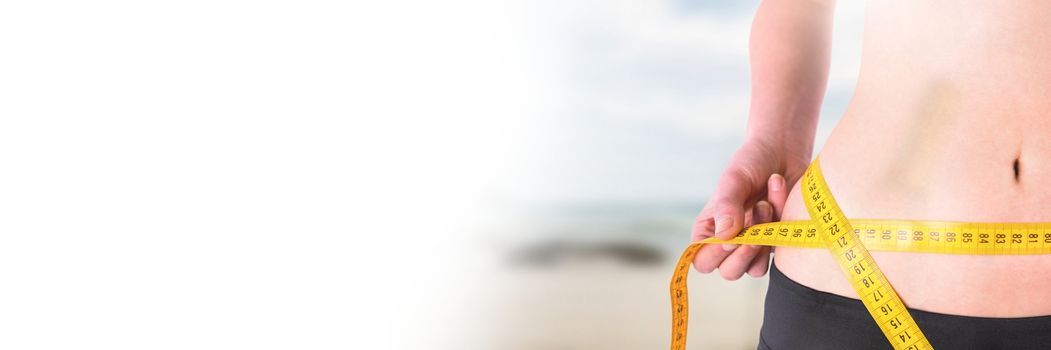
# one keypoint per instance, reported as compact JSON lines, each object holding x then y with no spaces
{"x":849,"y":241}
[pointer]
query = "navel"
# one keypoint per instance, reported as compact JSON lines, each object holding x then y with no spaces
{"x":1016,"y":169}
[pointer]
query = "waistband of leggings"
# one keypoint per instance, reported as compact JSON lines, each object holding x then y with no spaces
{"x":779,"y":280}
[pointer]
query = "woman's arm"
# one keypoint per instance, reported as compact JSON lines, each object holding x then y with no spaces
{"x":789,"y":54}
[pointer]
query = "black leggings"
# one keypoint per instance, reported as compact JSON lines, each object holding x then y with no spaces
{"x":799,"y":317}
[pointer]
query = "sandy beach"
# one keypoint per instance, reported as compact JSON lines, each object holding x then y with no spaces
{"x":608,"y":305}
{"x":589,"y":277}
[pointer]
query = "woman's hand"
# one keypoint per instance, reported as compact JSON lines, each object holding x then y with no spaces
{"x":789,"y":51}
{"x":750,"y":191}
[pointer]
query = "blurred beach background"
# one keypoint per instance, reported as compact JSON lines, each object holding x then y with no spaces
{"x":324,"y":174}
{"x":577,"y":140}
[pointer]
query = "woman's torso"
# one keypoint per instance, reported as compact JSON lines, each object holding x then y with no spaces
{"x":949,"y":96}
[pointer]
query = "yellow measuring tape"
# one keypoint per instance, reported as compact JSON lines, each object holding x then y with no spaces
{"x":849,"y":241}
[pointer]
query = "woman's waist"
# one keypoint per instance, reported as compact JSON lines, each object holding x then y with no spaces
{"x":967,"y":285}
{"x":864,"y":186}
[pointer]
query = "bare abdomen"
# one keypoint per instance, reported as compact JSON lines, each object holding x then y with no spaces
{"x":939,"y":161}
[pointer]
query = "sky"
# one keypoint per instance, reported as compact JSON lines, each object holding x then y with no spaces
{"x":649,"y":99}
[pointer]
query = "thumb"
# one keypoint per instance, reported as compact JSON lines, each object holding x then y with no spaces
{"x":777,"y":194}
{"x":734,"y":188}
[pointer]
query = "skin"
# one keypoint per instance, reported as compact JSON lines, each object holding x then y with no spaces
{"x":949,"y":96}
{"x":779,"y":142}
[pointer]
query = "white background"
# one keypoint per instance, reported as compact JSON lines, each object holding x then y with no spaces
{"x":236,"y":174}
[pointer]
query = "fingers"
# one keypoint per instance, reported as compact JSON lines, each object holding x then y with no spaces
{"x":729,"y":218}
{"x":702,"y":228}
{"x":767,"y":212}
{"x":734,"y":188}
{"x":735,"y":265}
{"x":711,"y":256}
{"x":727,"y":213}
{"x":742,"y":258}
{"x":777,"y":194}
{"x":747,"y":222}
{"x":761,"y":262}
